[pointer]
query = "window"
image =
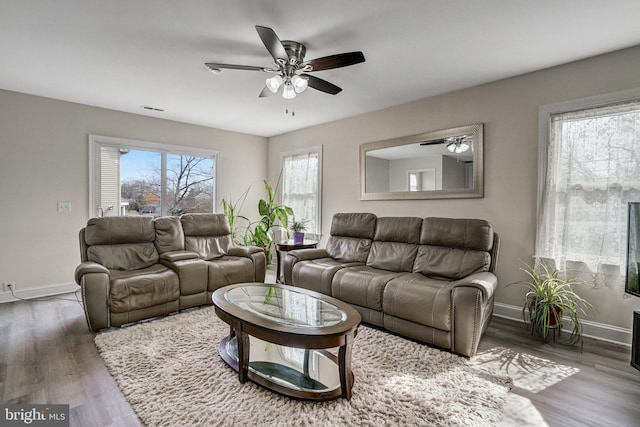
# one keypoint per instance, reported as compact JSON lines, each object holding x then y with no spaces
{"x":421,"y":180}
{"x":301,"y":186}
{"x":590,"y":164}
{"x":145,"y":178}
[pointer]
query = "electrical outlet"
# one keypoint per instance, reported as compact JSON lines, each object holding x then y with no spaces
{"x":64,"y":206}
{"x":9,"y":286}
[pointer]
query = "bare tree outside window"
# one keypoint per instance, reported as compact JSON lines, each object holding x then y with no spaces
{"x":132,"y":182}
{"x":189,"y":184}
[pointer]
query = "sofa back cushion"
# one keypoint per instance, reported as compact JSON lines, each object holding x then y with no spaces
{"x":395,"y":243}
{"x":454,"y":248}
{"x":121,"y":243}
{"x":208,"y":235}
{"x":351,"y":236}
{"x":169,"y":234}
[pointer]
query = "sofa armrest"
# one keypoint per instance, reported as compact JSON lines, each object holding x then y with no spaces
{"x":295,"y":256}
{"x":257,"y":256}
{"x":472,"y":306}
{"x":89,"y":267}
{"x":93,"y":279}
{"x":191,"y":270}
{"x":244,"y":251}
{"x":175,"y":256}
{"x":307,"y":254}
{"x":486,"y":282}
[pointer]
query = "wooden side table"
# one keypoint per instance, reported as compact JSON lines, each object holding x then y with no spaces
{"x":288,"y":245}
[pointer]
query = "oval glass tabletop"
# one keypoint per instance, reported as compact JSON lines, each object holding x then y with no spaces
{"x":285,"y":306}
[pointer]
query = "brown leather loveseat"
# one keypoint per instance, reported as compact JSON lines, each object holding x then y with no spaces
{"x":135,"y":268}
{"x":430,"y":279}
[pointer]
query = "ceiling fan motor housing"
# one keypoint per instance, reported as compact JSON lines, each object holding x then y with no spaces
{"x":295,"y":52}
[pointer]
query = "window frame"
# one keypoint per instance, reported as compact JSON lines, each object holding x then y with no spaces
{"x":306,"y":150}
{"x":96,"y":142}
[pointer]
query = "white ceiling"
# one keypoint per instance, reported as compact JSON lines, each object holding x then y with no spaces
{"x":123,"y":54}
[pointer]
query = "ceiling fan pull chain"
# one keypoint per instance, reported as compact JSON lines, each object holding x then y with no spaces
{"x":293,"y":109}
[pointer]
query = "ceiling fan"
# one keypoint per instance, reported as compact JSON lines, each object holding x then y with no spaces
{"x":290,"y":68}
{"x":455,"y":144}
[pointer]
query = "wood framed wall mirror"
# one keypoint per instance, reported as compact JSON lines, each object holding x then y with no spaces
{"x":444,"y":164}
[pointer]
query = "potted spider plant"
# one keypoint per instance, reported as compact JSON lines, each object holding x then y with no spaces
{"x":549,"y":297}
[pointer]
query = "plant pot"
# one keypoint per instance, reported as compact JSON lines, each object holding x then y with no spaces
{"x":555,"y":314}
{"x":298,"y":238}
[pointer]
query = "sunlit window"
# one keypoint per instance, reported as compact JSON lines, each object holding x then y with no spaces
{"x":143,"y":178}
{"x":592,"y":164}
{"x":302,"y":186}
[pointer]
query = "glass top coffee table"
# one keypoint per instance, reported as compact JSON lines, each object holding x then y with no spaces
{"x":279,"y":336}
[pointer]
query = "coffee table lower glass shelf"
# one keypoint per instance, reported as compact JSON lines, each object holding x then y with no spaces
{"x":304,"y":370}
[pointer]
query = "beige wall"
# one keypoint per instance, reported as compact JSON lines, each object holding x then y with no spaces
{"x":509,"y":111}
{"x":44,"y":159}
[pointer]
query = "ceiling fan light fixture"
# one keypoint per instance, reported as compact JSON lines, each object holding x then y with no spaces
{"x":288,"y":92}
{"x":274,"y":83}
{"x":299,"y":83}
{"x":457,"y":146}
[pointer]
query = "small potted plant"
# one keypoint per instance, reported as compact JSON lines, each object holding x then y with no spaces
{"x":298,"y":228}
{"x":549,"y":297}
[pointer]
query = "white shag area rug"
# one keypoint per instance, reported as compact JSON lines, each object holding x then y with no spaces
{"x":170,"y":372}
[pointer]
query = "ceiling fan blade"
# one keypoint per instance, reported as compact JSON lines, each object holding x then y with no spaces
{"x":321,"y":85}
{"x":333,"y":61}
{"x":216,"y":68}
{"x":273,"y":44}
{"x":265,"y":92}
{"x":434,"y":142}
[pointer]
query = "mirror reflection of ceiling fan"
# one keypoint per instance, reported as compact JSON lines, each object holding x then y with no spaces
{"x":455,"y":144}
{"x":290,"y":68}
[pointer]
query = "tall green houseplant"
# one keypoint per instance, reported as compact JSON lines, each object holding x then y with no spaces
{"x":232,"y":212}
{"x":260,"y":233}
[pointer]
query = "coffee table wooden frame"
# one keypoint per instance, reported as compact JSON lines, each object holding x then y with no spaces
{"x":243,"y":323}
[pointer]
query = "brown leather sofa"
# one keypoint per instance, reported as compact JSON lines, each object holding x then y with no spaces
{"x":135,"y":268}
{"x":429,"y":279}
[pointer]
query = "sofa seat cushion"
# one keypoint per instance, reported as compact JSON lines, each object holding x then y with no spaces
{"x":419,"y":299}
{"x":138,"y":289}
{"x":228,"y":270}
{"x":362,"y":285}
{"x":317,"y":274}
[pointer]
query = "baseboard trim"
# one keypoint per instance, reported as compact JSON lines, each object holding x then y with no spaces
{"x":32,"y":293}
{"x":595,"y":330}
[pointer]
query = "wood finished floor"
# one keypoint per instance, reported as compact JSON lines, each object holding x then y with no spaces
{"x":47,"y":355}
